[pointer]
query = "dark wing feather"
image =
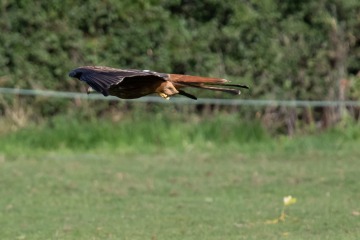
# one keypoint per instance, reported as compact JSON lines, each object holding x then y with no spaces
{"x":100,"y":82}
{"x":102,"y":78}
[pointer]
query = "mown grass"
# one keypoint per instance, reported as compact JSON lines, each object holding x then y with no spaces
{"x":213,"y":179}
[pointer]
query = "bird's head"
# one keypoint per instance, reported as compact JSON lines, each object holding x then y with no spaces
{"x":76,"y":73}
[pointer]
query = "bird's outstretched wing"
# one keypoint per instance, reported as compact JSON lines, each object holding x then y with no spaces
{"x":106,"y":79}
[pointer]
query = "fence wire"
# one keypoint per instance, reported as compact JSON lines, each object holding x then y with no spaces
{"x":175,"y":100}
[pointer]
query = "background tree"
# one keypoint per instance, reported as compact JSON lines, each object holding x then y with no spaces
{"x":307,"y":50}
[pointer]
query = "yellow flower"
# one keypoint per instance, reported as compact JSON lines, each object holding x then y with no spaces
{"x":289,"y":200}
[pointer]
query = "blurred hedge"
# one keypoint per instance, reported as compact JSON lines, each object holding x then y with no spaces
{"x":282,"y":49}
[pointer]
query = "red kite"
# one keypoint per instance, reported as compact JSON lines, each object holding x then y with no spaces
{"x":131,"y":83}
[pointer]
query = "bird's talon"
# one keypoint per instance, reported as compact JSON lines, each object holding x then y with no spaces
{"x":165,"y":96}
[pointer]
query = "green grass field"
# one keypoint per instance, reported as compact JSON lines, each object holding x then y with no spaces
{"x":185,"y":184}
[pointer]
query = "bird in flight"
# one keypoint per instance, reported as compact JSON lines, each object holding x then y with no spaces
{"x":130,"y":83}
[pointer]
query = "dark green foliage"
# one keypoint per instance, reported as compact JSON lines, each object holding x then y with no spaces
{"x":282,"y":49}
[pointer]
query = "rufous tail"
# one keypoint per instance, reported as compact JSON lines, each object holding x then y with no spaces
{"x":214,"y":84}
